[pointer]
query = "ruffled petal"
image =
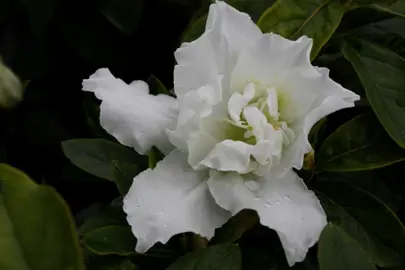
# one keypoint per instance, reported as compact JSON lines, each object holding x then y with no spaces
{"x":171,"y":199}
{"x":129,"y":113}
{"x":227,"y":32}
{"x":283,"y":204}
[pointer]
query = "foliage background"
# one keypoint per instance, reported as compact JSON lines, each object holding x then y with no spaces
{"x":52,"y":45}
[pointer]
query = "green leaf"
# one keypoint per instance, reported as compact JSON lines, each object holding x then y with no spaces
{"x":252,"y":7}
{"x":366,"y":219}
{"x":382,"y":73}
{"x":109,"y":216}
{"x":156,"y":86}
{"x":39,"y":13}
{"x":154,"y":157}
{"x":124,"y":175}
{"x":123,"y":14}
{"x":97,"y":156}
{"x":359,"y":144}
{"x":116,"y":240}
{"x":195,"y":29}
{"x":337,"y":251}
{"x":36,"y":229}
{"x":397,"y":8}
{"x":317,"y":19}
{"x":218,"y":257}
{"x":107,"y":262}
{"x":236,"y":227}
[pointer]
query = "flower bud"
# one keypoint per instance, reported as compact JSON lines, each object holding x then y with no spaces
{"x":11,"y":90}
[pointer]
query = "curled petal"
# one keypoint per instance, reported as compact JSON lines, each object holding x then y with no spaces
{"x":171,"y":199}
{"x":283,"y":204}
{"x":129,"y":113}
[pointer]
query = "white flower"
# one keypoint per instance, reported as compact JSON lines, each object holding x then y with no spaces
{"x":246,"y":102}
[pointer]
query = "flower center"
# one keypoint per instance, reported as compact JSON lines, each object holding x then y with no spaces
{"x":255,"y":112}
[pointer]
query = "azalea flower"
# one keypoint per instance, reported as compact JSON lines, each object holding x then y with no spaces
{"x":245,"y":104}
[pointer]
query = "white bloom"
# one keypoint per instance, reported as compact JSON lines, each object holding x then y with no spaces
{"x":246,"y":102}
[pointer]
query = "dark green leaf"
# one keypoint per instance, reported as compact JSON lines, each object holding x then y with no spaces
{"x":109,"y":216}
{"x":252,"y":7}
{"x":36,"y":229}
{"x":337,"y":251}
{"x":124,"y":175}
{"x":39,"y":12}
{"x":117,"y":240}
{"x":123,"y":14}
{"x":154,"y":157}
{"x":97,"y":156}
{"x":195,"y":29}
{"x":107,"y":262}
{"x":156,"y":86}
{"x":316,"y":134}
{"x":359,"y":144}
{"x":316,"y":19}
{"x":366,"y":220}
{"x":236,"y":227}
{"x":221,"y":257}
{"x":382,"y":73}
{"x":397,"y":8}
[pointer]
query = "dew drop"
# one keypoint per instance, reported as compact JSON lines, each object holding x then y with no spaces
{"x":278,"y":202}
{"x":164,"y":226}
{"x":252,"y":185}
{"x":161,"y":213}
{"x":267,"y":205}
{"x":287,"y":198}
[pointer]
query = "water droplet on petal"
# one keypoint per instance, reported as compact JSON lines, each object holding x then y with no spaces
{"x":287,"y":198}
{"x":252,"y":185}
{"x":267,"y":205}
{"x":256,"y":198}
{"x":161,"y":213}
{"x":164,"y":226}
{"x":278,"y":202}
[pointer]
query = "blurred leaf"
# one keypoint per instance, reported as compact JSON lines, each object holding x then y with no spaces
{"x":236,"y":227}
{"x":366,"y":220}
{"x":397,"y":8}
{"x":195,"y":29}
{"x":39,"y":12}
{"x":97,"y":156}
{"x":154,"y":157}
{"x":123,"y":14}
{"x":359,"y":144}
{"x":221,"y":257}
{"x":316,"y":134}
{"x":107,"y":262}
{"x":382,"y":73}
{"x":292,"y":19}
{"x":109,"y":216}
{"x":337,"y":251}
{"x":36,"y":228}
{"x":117,"y":240}
{"x":156,"y":86}
{"x":124,"y":175}
{"x":254,"y":8}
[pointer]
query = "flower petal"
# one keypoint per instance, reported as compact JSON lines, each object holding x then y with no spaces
{"x":171,"y":199}
{"x":332,"y":97}
{"x":130,"y":114}
{"x":283,"y":204}
{"x":201,"y":61}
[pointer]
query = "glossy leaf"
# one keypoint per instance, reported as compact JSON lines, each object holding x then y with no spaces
{"x":36,"y":229}
{"x":97,"y":156}
{"x":293,"y":18}
{"x":397,"y":8}
{"x":156,"y":86}
{"x":382,"y":73}
{"x":337,"y":251}
{"x":117,"y":240}
{"x":123,"y":14}
{"x":109,"y":216}
{"x":218,"y":257}
{"x":359,"y":144}
{"x":366,"y":219}
{"x":124,"y":175}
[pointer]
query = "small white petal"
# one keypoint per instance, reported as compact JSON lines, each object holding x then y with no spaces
{"x":199,"y":62}
{"x":130,"y":114}
{"x":237,"y":102}
{"x":283,"y":204}
{"x":272,"y":103}
{"x":256,"y":119}
{"x":229,"y":155}
{"x":171,"y":199}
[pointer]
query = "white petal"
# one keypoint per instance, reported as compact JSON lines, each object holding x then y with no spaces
{"x":331,"y":98}
{"x":283,"y":204}
{"x":268,"y":59}
{"x":130,"y":114}
{"x":171,"y":199}
{"x":201,"y":61}
{"x":229,"y":155}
